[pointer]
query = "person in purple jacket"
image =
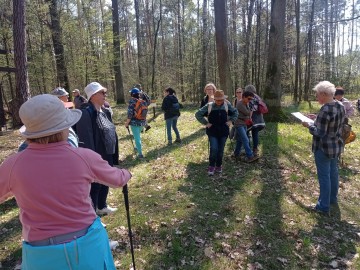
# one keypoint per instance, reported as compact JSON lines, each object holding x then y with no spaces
{"x":51,"y":183}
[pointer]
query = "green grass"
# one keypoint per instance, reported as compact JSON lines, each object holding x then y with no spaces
{"x":251,"y":216}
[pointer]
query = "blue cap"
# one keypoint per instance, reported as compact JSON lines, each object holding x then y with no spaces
{"x":134,"y":91}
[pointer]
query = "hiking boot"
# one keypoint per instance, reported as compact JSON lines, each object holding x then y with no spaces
{"x":178,"y":140}
{"x":250,"y":159}
{"x":211,"y":170}
{"x":256,"y":152}
{"x":147,"y":128}
{"x":106,"y":211}
{"x":218,"y":169}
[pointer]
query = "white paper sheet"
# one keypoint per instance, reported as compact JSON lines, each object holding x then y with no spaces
{"x":302,"y":117}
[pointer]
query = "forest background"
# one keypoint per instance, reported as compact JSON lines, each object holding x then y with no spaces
{"x":282,"y":47}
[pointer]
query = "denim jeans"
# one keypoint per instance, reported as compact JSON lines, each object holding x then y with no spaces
{"x":136,"y":130}
{"x":328,"y":176}
{"x":242,"y":139}
{"x":217,"y":145}
{"x":172,"y":122}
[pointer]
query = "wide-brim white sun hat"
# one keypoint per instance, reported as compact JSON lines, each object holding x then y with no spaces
{"x":45,"y":115}
{"x":93,"y":88}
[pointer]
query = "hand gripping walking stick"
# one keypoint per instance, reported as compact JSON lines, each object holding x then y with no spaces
{"x":126,"y":199}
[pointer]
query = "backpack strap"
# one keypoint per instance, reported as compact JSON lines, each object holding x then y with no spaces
{"x":226,"y":106}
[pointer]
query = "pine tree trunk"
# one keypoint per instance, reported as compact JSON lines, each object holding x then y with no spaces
{"x":119,"y":87}
{"x":20,"y":59}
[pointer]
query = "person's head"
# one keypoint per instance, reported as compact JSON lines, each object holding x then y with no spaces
{"x":135,"y":93}
{"x":238,"y":93}
{"x":247,"y":97}
{"x":210,"y":89}
{"x":169,"y":91}
{"x":76,"y":92}
{"x":339,"y":92}
{"x":46,"y":120}
{"x":324,"y":91}
{"x":219,"y":97}
{"x":61,"y":93}
{"x":250,"y":88}
{"x":95,"y":93}
{"x":138,"y":86}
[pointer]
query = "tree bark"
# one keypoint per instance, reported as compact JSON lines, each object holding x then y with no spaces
{"x":273,"y":90}
{"x":138,"y":40}
{"x":119,"y":87}
{"x":56,"y":35}
{"x":20,"y":59}
{"x":222,"y":45}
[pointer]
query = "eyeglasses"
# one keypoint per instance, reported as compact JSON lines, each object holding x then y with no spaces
{"x":238,"y":92}
{"x":102,"y":92}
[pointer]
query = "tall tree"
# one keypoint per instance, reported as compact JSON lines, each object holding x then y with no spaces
{"x":20,"y":59}
{"x":204,"y":43}
{"x":119,"y":87}
{"x":139,"y":40}
{"x":56,"y":35}
{"x":273,"y":90}
{"x":222,"y":45}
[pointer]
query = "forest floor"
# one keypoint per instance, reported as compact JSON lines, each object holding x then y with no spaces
{"x":252,"y":216}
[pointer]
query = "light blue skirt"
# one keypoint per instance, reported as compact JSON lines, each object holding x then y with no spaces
{"x":89,"y":252}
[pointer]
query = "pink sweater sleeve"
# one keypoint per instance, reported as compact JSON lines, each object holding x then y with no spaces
{"x":103,"y":173}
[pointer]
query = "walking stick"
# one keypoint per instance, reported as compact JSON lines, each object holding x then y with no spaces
{"x":135,"y":150}
{"x":126,"y":199}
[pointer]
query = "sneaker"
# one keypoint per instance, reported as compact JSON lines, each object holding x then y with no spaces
{"x":321,"y":212}
{"x":106,"y":211}
{"x":113,"y":244}
{"x":250,"y":159}
{"x":211,"y":170}
{"x":140,"y":157}
{"x":178,"y":140}
{"x":218,"y":169}
{"x":103,"y":224}
{"x":147,"y":128}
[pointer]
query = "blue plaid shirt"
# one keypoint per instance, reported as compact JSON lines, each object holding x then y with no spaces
{"x":327,"y":128}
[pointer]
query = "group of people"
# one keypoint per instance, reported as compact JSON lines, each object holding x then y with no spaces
{"x":218,"y":114}
{"x":61,"y":181}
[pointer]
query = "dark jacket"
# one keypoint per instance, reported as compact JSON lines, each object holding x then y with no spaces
{"x":217,"y":117}
{"x":90,"y":135}
{"x":204,"y":101}
{"x":170,"y":106}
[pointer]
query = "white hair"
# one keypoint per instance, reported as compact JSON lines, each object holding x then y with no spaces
{"x":325,"y":87}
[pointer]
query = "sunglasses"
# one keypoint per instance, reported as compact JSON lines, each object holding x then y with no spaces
{"x":238,"y":92}
{"x":102,"y":92}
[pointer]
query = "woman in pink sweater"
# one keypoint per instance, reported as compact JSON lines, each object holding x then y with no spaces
{"x":51,"y":183}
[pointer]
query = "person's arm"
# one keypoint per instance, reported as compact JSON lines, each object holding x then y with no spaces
{"x":201,"y":114}
{"x":103,"y":173}
{"x":130,"y":112}
{"x":165,"y":104}
{"x":349,"y":110}
{"x":320,"y":127}
{"x":233,"y":113}
{"x":85,"y":130}
{"x":146,"y":97}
